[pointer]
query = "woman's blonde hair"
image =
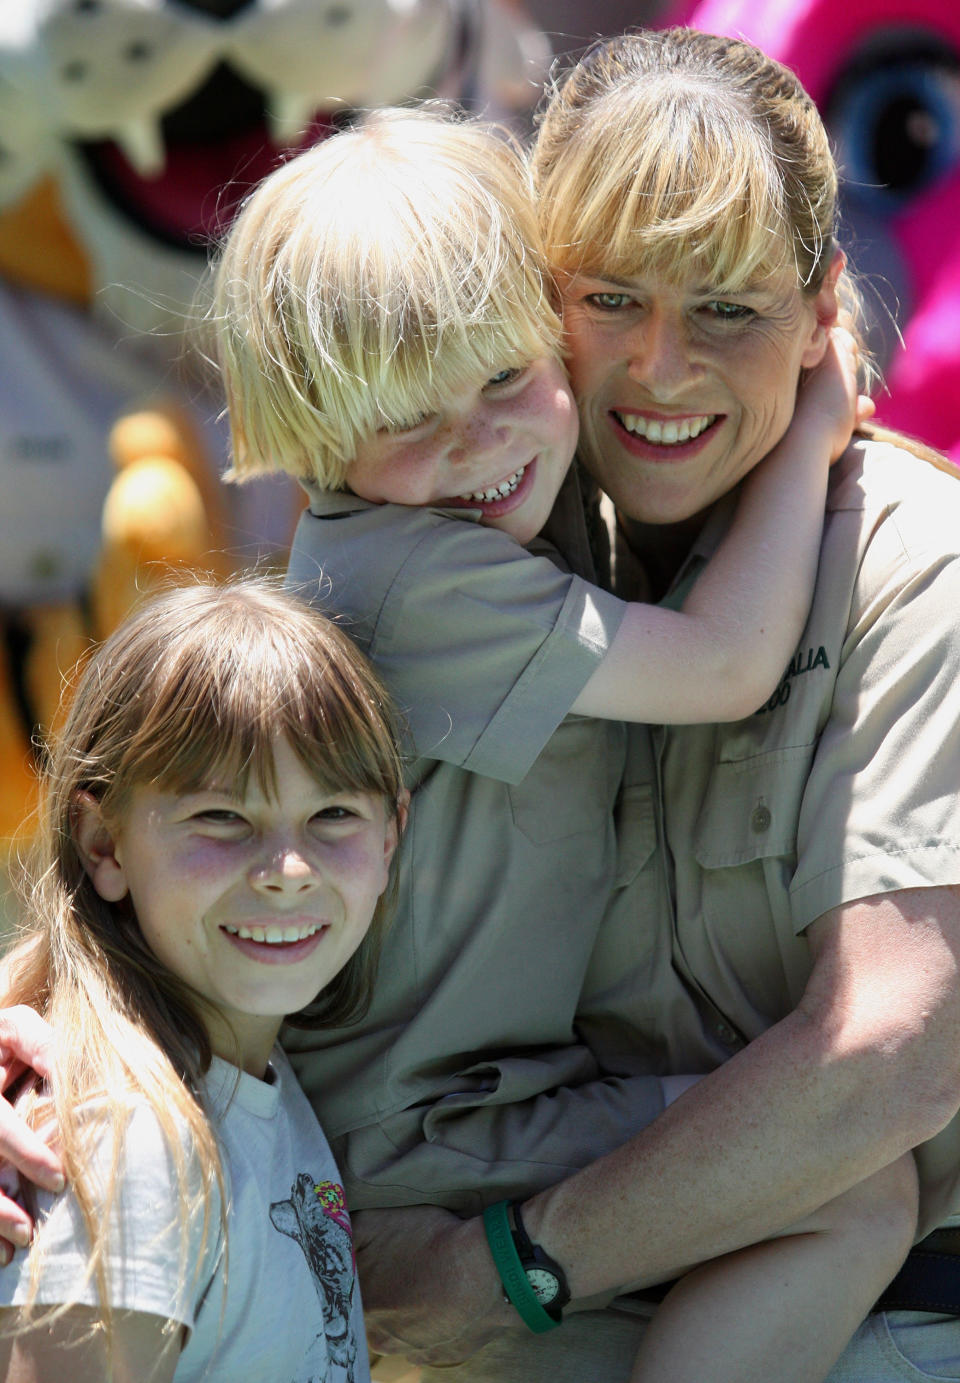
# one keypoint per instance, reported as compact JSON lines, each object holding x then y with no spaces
{"x":368,"y":279}
{"x":671,"y":150}
{"x":195,"y":686}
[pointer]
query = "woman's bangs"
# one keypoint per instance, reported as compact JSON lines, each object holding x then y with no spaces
{"x":702,"y":194}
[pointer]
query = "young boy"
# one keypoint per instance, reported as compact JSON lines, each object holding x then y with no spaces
{"x":386,"y":334}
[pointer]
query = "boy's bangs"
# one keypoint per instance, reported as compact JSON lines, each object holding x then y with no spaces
{"x":449,"y":315}
{"x":428,"y":368}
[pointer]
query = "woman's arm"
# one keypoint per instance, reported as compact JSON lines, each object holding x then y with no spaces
{"x":865,"y":1068}
{"x":74,"y":1347}
{"x":723,"y":654}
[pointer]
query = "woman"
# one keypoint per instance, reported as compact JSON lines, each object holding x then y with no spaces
{"x":688,"y":197}
{"x":685,"y":355}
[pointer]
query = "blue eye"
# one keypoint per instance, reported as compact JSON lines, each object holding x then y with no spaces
{"x":504,"y":377}
{"x":729,"y":312}
{"x":608,"y":302}
{"x":896,"y":119}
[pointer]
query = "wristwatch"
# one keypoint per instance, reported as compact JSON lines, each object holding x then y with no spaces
{"x":533,"y":1282}
{"x":545,"y":1275}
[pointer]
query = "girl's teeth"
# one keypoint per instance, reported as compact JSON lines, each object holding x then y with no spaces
{"x":666,"y":433}
{"x":506,"y":487}
{"x":273,"y":935}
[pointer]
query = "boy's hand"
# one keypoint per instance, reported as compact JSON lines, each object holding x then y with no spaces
{"x":829,"y":397}
{"x":430,"y":1292}
{"x":25,"y":1045}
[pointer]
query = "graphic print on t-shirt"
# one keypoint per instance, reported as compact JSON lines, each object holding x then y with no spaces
{"x":316,"y":1217}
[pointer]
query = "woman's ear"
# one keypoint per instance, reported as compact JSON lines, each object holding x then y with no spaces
{"x":826,"y":307}
{"x":98,"y":848}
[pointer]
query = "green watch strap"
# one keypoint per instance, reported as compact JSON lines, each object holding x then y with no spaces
{"x":512,"y":1272}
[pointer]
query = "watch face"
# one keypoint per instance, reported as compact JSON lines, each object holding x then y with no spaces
{"x":544,"y":1283}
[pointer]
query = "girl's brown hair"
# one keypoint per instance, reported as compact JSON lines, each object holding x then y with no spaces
{"x":196,"y":685}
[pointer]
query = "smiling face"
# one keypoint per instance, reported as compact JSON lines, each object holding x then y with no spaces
{"x":682,"y":388}
{"x":255,"y":900}
{"x":501,"y":447}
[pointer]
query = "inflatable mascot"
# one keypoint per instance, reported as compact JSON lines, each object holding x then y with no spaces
{"x":886,"y":76}
{"x":129,"y":131}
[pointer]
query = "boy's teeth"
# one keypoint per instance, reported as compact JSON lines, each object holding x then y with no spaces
{"x":273,"y":935}
{"x":666,"y":433}
{"x":506,"y":487}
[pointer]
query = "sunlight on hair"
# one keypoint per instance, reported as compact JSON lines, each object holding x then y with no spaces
{"x":370,"y":279}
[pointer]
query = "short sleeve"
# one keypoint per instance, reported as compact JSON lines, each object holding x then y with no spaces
{"x":151,"y":1267}
{"x":881,"y":809}
{"x":484,"y":646}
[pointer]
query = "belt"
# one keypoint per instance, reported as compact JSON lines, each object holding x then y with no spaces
{"x":928,"y":1281}
{"x":930,"y":1277}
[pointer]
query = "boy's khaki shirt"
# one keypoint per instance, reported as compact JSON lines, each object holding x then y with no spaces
{"x":468,"y":1080}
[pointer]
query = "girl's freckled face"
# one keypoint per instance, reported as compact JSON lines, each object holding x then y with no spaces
{"x":256,"y":901}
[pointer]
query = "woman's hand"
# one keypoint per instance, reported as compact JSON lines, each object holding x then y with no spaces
{"x":829,"y":397}
{"x":26,"y":1044}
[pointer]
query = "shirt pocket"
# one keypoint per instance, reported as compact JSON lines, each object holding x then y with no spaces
{"x":572,"y":786}
{"x":751,"y":808}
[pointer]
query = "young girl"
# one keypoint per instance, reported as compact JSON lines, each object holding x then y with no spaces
{"x":220,"y":811}
{"x":386,"y":334}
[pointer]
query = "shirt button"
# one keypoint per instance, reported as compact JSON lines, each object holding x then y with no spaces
{"x":726,"y":1034}
{"x":760,"y":821}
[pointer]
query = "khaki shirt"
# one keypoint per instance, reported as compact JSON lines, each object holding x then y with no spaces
{"x":846,"y":783}
{"x":467,"y":1079}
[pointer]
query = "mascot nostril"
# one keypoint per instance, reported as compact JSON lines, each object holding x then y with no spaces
{"x":219,"y":9}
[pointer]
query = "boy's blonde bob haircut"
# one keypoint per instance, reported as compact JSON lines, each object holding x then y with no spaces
{"x":677,"y":152}
{"x":368,"y":280}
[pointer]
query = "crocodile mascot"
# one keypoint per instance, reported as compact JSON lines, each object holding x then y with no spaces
{"x":129,"y":131}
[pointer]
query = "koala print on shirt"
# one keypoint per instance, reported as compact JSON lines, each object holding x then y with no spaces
{"x":316,"y":1217}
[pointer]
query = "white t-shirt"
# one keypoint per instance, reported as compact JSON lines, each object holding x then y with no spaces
{"x":291,"y":1309}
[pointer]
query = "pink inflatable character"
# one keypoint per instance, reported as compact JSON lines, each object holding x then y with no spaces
{"x":886,"y":76}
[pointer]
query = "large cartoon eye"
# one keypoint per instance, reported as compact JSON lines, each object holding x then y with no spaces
{"x":895,"y":116}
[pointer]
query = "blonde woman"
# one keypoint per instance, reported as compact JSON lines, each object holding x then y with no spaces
{"x":811,"y":869}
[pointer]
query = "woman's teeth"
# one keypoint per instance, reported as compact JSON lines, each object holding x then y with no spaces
{"x":273,"y":935}
{"x":667,"y":434}
{"x":506,"y":487}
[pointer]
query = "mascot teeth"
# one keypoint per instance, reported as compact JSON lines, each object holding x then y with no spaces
{"x":142,"y":142}
{"x":289,"y":117}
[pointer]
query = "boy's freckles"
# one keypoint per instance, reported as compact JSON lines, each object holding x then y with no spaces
{"x":501,"y":448}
